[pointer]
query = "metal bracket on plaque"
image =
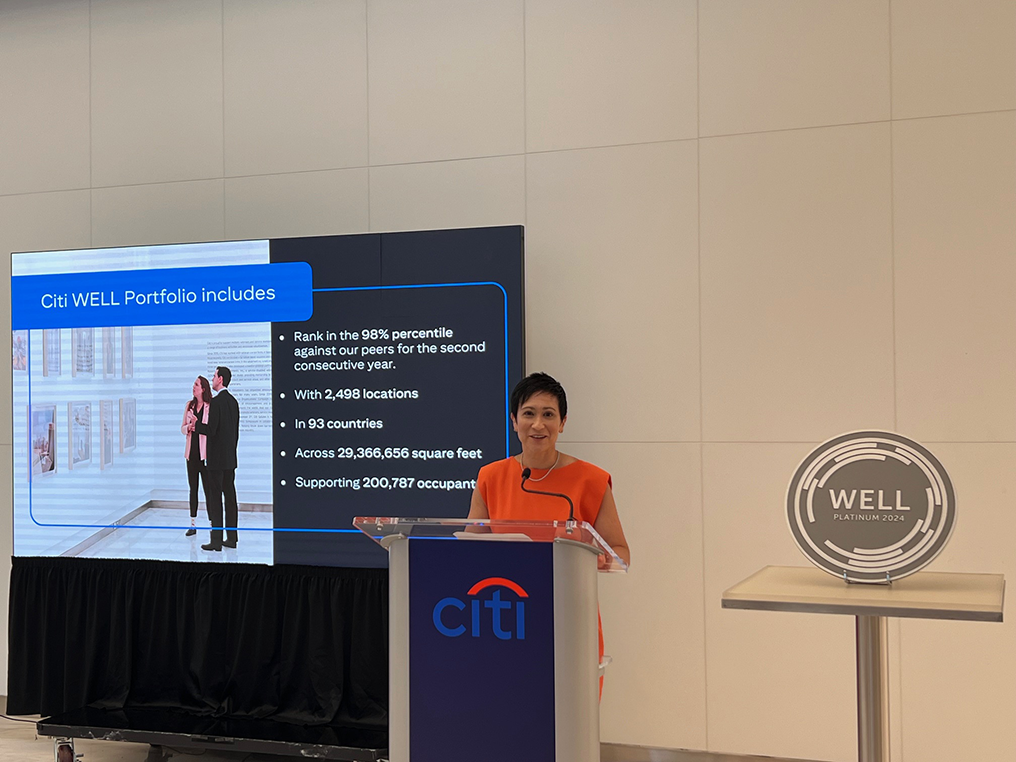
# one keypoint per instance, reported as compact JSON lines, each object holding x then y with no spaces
{"x":888,"y":580}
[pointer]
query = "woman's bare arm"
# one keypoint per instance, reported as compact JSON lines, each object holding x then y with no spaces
{"x":608,"y":526}
{"x":477,"y":508}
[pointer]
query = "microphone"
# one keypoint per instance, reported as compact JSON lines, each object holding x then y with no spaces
{"x":526,"y":473}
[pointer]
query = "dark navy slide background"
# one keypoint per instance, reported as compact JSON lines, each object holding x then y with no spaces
{"x":461,"y":398}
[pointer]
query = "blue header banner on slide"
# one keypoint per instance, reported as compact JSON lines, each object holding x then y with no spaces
{"x":278,"y":292}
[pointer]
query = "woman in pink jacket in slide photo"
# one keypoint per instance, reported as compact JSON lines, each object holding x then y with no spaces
{"x":196,"y":449}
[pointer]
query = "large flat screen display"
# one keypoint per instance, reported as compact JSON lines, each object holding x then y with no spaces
{"x":371,"y":374}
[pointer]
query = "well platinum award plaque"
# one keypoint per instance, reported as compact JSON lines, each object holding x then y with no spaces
{"x":871,"y":506}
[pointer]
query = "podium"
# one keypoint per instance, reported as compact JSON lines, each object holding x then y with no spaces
{"x":492,"y":650}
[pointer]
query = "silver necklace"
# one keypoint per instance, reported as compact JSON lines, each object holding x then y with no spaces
{"x":548,"y":470}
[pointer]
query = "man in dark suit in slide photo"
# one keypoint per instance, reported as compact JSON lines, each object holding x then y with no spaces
{"x":223,"y":432}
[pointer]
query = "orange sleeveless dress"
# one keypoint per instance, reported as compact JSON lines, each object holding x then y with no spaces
{"x":500,"y":482}
{"x":500,"y":487}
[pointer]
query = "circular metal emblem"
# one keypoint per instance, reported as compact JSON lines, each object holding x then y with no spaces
{"x":871,"y":506}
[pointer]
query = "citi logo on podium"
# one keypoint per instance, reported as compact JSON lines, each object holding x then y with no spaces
{"x":453,"y":623}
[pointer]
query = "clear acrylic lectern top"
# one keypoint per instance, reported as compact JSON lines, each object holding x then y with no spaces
{"x":385,"y":529}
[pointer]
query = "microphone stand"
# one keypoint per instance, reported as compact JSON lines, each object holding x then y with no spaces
{"x":570,"y":526}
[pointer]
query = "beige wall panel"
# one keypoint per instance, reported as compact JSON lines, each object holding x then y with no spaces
{"x":44,"y":96}
{"x":295,"y":85}
{"x":446,"y":79}
{"x":955,"y":240}
{"x":959,"y":691}
{"x":36,"y":222}
{"x":796,"y":284}
{"x":40,"y":222}
{"x":779,"y":64}
{"x":150,"y":214}
{"x":953,"y":56}
{"x":156,"y":91}
{"x":301,"y":204}
{"x":6,"y":546}
{"x":449,"y":194}
{"x":654,"y":692}
{"x":610,"y":72}
{"x":779,"y":683}
{"x":612,"y":288}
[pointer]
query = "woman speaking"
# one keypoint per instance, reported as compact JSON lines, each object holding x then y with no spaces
{"x":539,"y":410}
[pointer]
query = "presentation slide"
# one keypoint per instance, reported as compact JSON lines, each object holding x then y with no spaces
{"x":367,"y":375}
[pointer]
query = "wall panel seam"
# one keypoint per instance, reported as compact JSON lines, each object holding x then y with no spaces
{"x":366,"y":75}
{"x":702,"y":413}
{"x":222,"y":79}
{"x":91,"y":214}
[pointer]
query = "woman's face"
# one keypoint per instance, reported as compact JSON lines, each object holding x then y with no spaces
{"x":538,"y":424}
{"x":197,"y":390}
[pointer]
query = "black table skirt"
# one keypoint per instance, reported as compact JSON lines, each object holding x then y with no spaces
{"x":304,"y":645}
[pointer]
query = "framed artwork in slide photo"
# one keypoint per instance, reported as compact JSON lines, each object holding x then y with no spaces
{"x":42,"y":429}
{"x":52,"y":349}
{"x":82,"y":351}
{"x":79,"y":434}
{"x":105,"y":434}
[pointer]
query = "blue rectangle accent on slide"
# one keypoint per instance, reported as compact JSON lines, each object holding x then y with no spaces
{"x":481,"y":651}
{"x":261,"y":293}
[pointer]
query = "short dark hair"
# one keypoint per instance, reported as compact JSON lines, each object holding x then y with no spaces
{"x":225,"y":374}
{"x":537,"y":383}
